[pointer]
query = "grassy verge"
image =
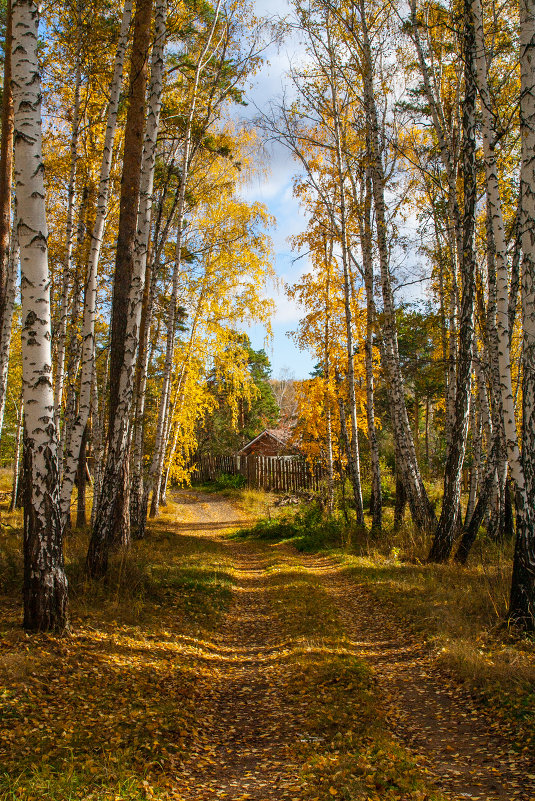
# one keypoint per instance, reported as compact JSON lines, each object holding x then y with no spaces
{"x":107,"y":712}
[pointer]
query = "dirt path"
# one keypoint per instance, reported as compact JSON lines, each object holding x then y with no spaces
{"x":245,"y":748}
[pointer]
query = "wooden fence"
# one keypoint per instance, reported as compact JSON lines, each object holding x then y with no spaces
{"x":272,"y":473}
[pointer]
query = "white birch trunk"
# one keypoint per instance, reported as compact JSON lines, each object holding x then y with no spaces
{"x":172,"y":450}
{"x":475,"y":425}
{"x":421,"y":509}
{"x":500,"y":246}
{"x":97,"y":437}
{"x":451,"y":498}
{"x":365,"y":230}
{"x":45,"y":583}
{"x":137,"y":517}
{"x":522,"y":601}
{"x":5,"y":334}
{"x":90,"y":304}
{"x":353,"y":454}
{"x":69,"y":240}
{"x":73,"y":349}
{"x":327,"y":370}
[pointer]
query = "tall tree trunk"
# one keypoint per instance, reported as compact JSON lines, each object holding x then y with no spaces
{"x":421,"y":509}
{"x":522,"y":600}
{"x":97,"y":444}
{"x":475,"y":425}
{"x":90,"y":301}
{"x":45,"y":583}
{"x":449,"y":518}
{"x":149,"y":156}
{"x":353,"y":454}
{"x":61,"y":336}
{"x":137,"y":518}
{"x":327,"y":376}
{"x":344,"y":436}
{"x":112,"y":524}
{"x":6,"y":169}
{"x":73,"y":347}
{"x":138,"y":496}
{"x":366,"y":236}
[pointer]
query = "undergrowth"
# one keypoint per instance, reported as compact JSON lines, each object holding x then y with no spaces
{"x":307,"y":529}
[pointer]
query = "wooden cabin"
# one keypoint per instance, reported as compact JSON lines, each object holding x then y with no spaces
{"x":271,"y":442}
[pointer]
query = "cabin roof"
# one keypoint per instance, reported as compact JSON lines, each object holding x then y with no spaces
{"x":280,"y":435}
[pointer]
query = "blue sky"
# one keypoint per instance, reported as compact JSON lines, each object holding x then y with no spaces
{"x":276,"y":192}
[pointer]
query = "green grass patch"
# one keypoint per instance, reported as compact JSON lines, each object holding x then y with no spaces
{"x":308,"y":529}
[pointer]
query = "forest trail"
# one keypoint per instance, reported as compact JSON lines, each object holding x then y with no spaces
{"x":287,"y":606}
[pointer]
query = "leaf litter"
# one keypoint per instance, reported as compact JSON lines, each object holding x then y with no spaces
{"x":297,"y":684}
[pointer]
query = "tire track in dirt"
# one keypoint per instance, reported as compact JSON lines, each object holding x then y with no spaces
{"x":244,"y":744}
{"x":454,"y":738}
{"x":244,"y":747}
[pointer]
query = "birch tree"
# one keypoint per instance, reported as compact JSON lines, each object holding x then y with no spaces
{"x":421,"y":509}
{"x":6,"y":168}
{"x":45,"y":584}
{"x":59,"y":377}
{"x":522,"y":600}
{"x":112,"y":524}
{"x":449,"y":518}
{"x":157,"y":463}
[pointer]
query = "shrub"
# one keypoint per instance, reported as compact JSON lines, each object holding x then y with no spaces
{"x":308,"y":528}
{"x":228,"y":481}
